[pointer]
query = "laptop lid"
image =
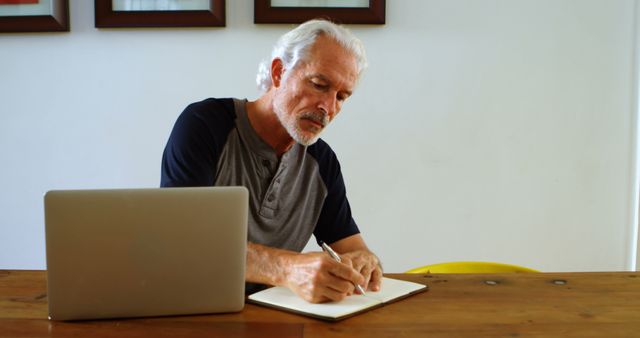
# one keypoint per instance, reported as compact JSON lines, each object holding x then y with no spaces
{"x":145,"y":252}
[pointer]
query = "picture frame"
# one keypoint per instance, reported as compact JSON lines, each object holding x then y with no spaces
{"x":265,"y":11}
{"x":34,"y":16}
{"x":211,"y":14}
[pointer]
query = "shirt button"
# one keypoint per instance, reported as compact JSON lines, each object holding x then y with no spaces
{"x":270,"y":198}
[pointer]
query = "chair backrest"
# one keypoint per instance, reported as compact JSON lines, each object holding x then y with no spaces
{"x":470,"y":267}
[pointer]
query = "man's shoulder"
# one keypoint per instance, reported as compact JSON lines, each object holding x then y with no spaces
{"x":321,"y":151}
{"x":212,"y":108}
{"x":328,"y":165}
{"x":209,"y":115}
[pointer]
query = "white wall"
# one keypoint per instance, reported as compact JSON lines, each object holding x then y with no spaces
{"x":484,"y":130}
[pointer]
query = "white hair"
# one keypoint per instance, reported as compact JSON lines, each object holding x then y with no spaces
{"x":294,"y":46}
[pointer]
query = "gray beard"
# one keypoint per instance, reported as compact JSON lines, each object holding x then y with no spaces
{"x":290,"y":124}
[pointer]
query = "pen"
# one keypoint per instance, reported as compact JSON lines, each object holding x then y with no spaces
{"x":335,"y":256}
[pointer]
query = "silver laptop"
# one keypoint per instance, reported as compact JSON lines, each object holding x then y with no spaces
{"x":145,"y":252}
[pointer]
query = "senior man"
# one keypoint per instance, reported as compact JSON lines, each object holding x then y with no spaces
{"x":272,"y":147}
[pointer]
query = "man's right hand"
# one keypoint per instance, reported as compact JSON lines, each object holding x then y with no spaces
{"x":317,"y":278}
{"x":314,"y":276}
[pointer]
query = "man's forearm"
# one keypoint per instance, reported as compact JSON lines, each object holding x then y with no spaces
{"x":314,"y":276}
{"x":266,"y":265}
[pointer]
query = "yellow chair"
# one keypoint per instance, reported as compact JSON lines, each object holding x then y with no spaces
{"x":470,"y":267}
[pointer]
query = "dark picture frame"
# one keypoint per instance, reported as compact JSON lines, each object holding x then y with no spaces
{"x":106,"y":17}
{"x":265,"y":13}
{"x":56,"y":21}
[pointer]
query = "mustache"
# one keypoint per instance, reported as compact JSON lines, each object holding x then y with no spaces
{"x":316,"y":116}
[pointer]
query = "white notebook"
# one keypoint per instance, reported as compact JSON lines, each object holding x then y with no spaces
{"x":284,"y":299}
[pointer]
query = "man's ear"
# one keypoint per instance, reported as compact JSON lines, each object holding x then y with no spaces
{"x":277,"y":71}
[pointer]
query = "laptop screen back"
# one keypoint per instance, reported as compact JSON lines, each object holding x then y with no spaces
{"x":145,"y":252}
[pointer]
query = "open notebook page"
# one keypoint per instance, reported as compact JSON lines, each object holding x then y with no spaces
{"x":283,"y":298}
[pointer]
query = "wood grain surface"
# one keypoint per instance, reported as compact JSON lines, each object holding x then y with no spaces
{"x":596,"y":304}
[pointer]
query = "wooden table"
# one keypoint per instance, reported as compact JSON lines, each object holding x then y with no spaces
{"x":464,"y":305}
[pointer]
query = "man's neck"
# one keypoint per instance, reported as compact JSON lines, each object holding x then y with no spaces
{"x":264,"y":121}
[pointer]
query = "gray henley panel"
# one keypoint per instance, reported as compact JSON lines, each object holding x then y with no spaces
{"x":287,"y":194}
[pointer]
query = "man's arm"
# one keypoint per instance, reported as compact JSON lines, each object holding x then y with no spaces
{"x":336,"y":226}
{"x":314,"y":276}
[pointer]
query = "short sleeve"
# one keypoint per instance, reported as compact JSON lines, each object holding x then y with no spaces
{"x":335,"y":221}
{"x":191,"y":154}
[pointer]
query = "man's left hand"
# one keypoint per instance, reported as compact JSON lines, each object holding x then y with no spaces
{"x":365,"y":262}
